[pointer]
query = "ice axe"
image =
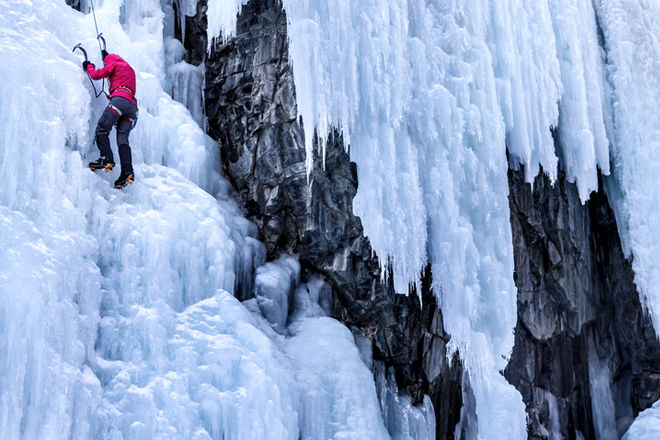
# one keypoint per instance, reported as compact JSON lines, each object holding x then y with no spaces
{"x":100,"y":38}
{"x":79,"y":46}
{"x":82,"y":49}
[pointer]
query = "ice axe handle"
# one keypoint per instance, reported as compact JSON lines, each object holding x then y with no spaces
{"x":79,"y":46}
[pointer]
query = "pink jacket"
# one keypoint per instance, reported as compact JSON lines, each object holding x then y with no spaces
{"x":121,"y":75}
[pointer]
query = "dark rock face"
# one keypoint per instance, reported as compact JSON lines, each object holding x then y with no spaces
{"x":193,"y":34}
{"x":75,"y":4}
{"x":252,"y":111}
{"x":406,"y":334}
{"x":578,"y":313}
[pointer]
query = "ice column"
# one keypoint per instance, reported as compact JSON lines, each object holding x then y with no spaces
{"x":222,"y":18}
{"x":585,"y":121}
{"x":631,"y":32}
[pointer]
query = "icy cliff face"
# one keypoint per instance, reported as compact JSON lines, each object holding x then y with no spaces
{"x":119,"y":315}
{"x":429,"y":96}
{"x":118,"y":309}
{"x":631,"y":39}
{"x":251,"y":109}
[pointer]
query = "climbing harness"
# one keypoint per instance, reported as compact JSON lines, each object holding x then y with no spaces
{"x":99,"y":38}
{"x":125,"y":89}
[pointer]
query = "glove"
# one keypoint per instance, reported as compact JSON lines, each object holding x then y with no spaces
{"x":85,"y":64}
{"x":104,"y":53}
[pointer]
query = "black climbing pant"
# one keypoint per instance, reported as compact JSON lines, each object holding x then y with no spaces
{"x":119,"y":112}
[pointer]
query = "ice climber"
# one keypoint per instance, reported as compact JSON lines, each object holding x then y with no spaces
{"x":121,"y":111}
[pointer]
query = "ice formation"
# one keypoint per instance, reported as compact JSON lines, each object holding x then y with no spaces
{"x":222,"y":18}
{"x":602,"y":401}
{"x":273,"y":286}
{"x":430,"y":96}
{"x":646,"y":426}
{"x":631,"y":32}
{"x":117,"y":318}
{"x":117,"y":313}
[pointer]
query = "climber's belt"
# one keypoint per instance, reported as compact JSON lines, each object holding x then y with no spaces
{"x":125,"y":89}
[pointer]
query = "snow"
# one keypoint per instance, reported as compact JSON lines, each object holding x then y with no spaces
{"x":118,"y":316}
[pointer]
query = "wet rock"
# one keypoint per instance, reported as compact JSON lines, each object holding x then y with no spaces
{"x":195,"y":41}
{"x":578,"y":312}
{"x":251,"y":109}
{"x":191,"y":31}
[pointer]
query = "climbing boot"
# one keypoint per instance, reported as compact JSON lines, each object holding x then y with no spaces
{"x":124,"y":179}
{"x":102,"y":164}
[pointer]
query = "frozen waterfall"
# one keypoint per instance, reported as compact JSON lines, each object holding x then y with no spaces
{"x":118,"y":316}
{"x":430,"y":96}
{"x":117,"y":313}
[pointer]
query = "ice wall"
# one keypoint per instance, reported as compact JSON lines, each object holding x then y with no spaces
{"x":183,"y":81}
{"x":117,"y":314}
{"x":429,"y":96}
{"x":585,"y":121}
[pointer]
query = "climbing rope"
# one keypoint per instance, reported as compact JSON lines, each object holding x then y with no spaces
{"x":98,"y":34}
